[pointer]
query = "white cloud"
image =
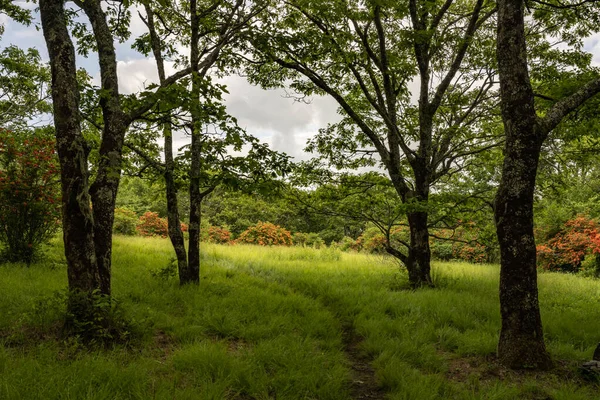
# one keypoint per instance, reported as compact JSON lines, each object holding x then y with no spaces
{"x":273,"y":116}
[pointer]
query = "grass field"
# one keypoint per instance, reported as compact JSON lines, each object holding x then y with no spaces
{"x":288,"y":323}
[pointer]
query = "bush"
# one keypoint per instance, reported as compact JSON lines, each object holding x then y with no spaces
{"x":97,"y":320}
{"x":29,"y":194}
{"x":471,"y":253}
{"x":373,"y":241}
{"x":150,"y":224}
{"x":566,"y":250}
{"x":314,"y":240}
{"x":347,"y":243}
{"x":126,"y":222}
{"x":441,"y":250}
{"x":299,"y":239}
{"x":216,"y":234}
{"x":266,"y":234}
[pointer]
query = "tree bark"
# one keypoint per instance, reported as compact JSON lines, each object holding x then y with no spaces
{"x":104,"y":189}
{"x":174,"y":222}
{"x":521,"y":343}
{"x":193,"y":273}
{"x":78,"y":222}
{"x":418,"y":262}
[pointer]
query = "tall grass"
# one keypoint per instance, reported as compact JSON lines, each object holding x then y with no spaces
{"x":267,"y":323}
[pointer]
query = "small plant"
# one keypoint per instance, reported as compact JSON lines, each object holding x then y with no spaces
{"x":346,"y":243}
{"x":167,"y":272}
{"x":299,"y":239}
{"x":96,"y":320}
{"x":266,"y":234}
{"x":314,"y":240}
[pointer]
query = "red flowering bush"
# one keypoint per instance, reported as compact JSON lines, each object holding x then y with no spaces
{"x":568,"y":248}
{"x":216,"y":234}
{"x":150,"y":224}
{"x":29,"y":193}
{"x":266,"y":234}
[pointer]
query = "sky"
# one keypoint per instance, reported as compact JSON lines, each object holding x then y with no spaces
{"x":272,"y":116}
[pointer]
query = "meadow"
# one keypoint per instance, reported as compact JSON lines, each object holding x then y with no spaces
{"x":287,"y":323}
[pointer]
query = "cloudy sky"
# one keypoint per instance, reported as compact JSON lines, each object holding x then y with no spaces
{"x":270,"y":115}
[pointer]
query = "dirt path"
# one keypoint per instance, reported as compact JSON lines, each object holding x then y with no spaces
{"x":364,"y":383}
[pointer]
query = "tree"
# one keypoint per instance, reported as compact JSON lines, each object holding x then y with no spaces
{"x":521,"y":343}
{"x":364,"y":55}
{"x":24,"y":88}
{"x":88,"y":210}
{"x":214,"y":27}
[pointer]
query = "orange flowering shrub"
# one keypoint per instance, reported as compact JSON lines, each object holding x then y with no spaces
{"x":266,"y":234}
{"x":151,"y":224}
{"x":29,"y":193}
{"x":216,"y":234}
{"x":372,"y":241}
{"x":567,"y":249}
{"x":471,"y":253}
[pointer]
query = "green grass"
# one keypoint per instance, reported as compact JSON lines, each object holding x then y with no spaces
{"x":267,"y":323}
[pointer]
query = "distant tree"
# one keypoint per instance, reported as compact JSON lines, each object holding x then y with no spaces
{"x":364,"y":55}
{"x":24,"y":88}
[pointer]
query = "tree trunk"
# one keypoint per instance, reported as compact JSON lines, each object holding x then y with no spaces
{"x":418,"y":262}
{"x":521,"y":342}
{"x":105,"y":187}
{"x":193,"y":273}
{"x":78,"y":222}
{"x":174,"y":222}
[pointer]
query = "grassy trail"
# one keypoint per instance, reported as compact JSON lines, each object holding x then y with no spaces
{"x":288,"y":323}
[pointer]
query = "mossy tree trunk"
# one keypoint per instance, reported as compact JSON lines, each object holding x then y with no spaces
{"x":77,"y":217}
{"x":521,"y":343}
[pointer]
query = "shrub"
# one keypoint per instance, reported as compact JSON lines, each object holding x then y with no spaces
{"x":566,"y":250}
{"x":126,"y":222}
{"x":314,"y":240}
{"x":471,"y":253}
{"x":441,"y":250}
{"x":216,"y":234}
{"x":150,"y":224}
{"x":373,"y":241}
{"x":29,"y":193}
{"x":347,"y":243}
{"x":299,"y":239}
{"x":266,"y":234}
